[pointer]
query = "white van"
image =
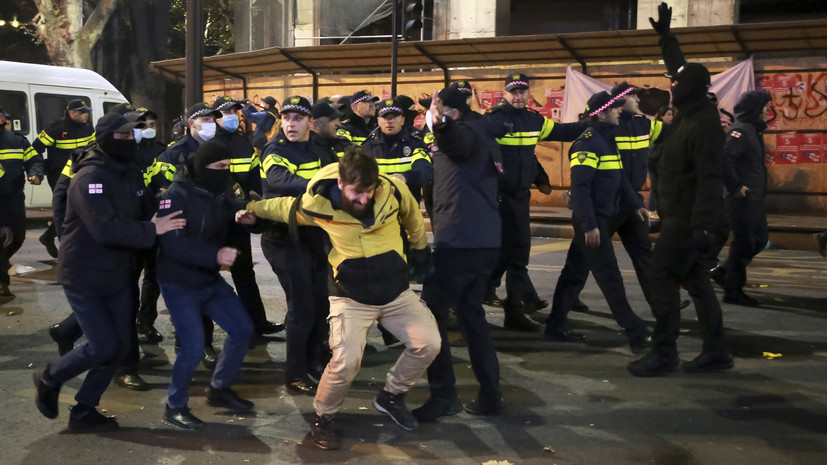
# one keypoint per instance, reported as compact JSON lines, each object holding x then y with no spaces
{"x":36,"y":95}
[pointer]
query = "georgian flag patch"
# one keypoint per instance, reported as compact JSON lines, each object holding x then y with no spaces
{"x":165,"y":204}
{"x":96,"y":188}
{"x":735,"y":134}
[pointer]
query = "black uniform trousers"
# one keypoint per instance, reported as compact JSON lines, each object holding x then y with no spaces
{"x":53,"y":170}
{"x":244,"y":280}
{"x":602,"y":262}
{"x":634,"y":235}
{"x":677,"y":261}
{"x":18,"y":227}
{"x":515,"y":249}
{"x":108,"y":323}
{"x":460,"y":281}
{"x":303,"y":277}
{"x":150,"y":292}
{"x":749,"y":237}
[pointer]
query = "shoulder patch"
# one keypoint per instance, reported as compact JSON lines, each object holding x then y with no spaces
{"x":581,"y":156}
{"x":165,"y":204}
{"x":587,"y":135}
{"x":96,"y":188}
{"x":735,"y":134}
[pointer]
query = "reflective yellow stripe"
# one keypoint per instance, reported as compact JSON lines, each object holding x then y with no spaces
{"x":2,"y":171}
{"x":308,"y":170}
{"x":277,"y":160}
{"x":11,"y":154}
{"x":168,"y":169}
{"x":400,"y":165}
{"x":154,"y":169}
{"x":548,"y":126}
{"x":74,"y":143}
{"x":29,"y":153}
{"x":633,"y":142}
{"x":583,"y":159}
{"x":67,"y":169}
{"x":241,"y":165}
{"x":45,"y":139}
{"x":340,"y":154}
{"x":343,"y":133}
{"x":429,"y":138}
{"x":254,"y":161}
{"x":655,"y":129}
{"x":520,"y":138}
{"x":610,"y":162}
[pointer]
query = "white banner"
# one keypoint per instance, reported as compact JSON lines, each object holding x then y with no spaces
{"x":727,"y":86}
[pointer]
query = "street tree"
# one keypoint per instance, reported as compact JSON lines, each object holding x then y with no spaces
{"x":68,"y":31}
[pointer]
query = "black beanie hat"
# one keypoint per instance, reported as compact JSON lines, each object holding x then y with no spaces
{"x":207,"y":153}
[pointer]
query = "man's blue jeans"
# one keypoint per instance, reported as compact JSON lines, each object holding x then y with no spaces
{"x":220,"y":303}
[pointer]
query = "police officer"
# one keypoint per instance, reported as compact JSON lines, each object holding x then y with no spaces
{"x":466,"y":248}
{"x":634,"y":135}
{"x":600,"y":193}
{"x":689,"y":184}
{"x":266,"y":121}
{"x":745,"y":178}
{"x":18,"y":162}
{"x":397,"y":150}
{"x":105,"y":200}
{"x":245,"y":171}
{"x":325,"y":122}
{"x":290,"y":160}
{"x":61,"y":137}
{"x":518,"y":130}
{"x":360,"y":121}
{"x":189,"y":261}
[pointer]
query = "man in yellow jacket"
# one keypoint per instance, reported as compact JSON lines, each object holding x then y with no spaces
{"x":362,"y":211}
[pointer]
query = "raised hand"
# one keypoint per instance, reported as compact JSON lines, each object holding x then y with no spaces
{"x":661,"y":26}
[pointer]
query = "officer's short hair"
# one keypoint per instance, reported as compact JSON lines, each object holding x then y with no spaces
{"x":357,"y":168}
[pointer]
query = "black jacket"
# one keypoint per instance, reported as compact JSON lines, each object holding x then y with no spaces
{"x":744,"y":147}
{"x":189,"y":257}
{"x":106,"y":201}
{"x":406,"y":155}
{"x":517,"y":132}
{"x":634,"y":136}
{"x":466,"y":212}
{"x":17,"y":159}
{"x":599,"y":188}
{"x":688,"y":172}
{"x":355,"y":129}
{"x":62,"y":137}
{"x":245,"y":168}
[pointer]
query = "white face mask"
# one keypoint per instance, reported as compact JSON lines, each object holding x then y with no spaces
{"x":138,"y":135}
{"x":207,"y":131}
{"x":148,"y":133}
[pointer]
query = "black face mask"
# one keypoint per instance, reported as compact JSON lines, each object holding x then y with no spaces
{"x":215,"y":181}
{"x":121,"y":150}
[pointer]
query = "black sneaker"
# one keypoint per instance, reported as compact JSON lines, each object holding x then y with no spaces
{"x":181,"y":418}
{"x":228,"y":399}
{"x":709,"y":361}
{"x":321,"y":433}
{"x":48,"y":393}
{"x":435,"y":408}
{"x":147,"y":334}
{"x":478,"y":408}
{"x":652,"y":364}
{"x":89,"y":420}
{"x":394,"y":406}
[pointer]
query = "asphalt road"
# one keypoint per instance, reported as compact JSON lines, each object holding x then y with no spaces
{"x":568,"y":403}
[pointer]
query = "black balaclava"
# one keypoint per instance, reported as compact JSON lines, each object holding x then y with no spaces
{"x":692,"y":84}
{"x":120,"y":150}
{"x":213,"y":180}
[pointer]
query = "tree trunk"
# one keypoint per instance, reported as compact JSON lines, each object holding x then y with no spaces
{"x":68,"y":39}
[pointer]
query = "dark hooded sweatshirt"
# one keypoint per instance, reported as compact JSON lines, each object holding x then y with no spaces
{"x":744,"y":147}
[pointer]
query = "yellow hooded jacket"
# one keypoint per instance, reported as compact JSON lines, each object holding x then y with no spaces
{"x":367,"y":262}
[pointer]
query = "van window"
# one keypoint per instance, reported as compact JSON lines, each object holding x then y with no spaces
{"x":49,"y":107}
{"x":108,"y":106}
{"x":16,"y":105}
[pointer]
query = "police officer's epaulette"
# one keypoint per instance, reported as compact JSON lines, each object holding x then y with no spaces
{"x":587,"y":134}
{"x":177,"y":142}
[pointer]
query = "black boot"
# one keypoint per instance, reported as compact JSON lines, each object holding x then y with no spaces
{"x":148,"y":334}
{"x":533,"y":303}
{"x":652,"y":364}
{"x":181,"y":418}
{"x":268,"y":328}
{"x":48,"y":392}
{"x":228,"y":399}
{"x":64,"y":344}
{"x":210,"y":357}
{"x":132,"y":381}
{"x":48,"y":240}
{"x":517,"y":320}
{"x":709,"y":361}
{"x":435,"y":408}
{"x":739,"y":298}
{"x":86,"y":419}
{"x":322,"y":433}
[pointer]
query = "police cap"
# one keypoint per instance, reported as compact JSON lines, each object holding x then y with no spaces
{"x":297,"y":104}
{"x":226,"y":102}
{"x":465,"y":86}
{"x":454,"y":98}
{"x":362,"y":96}
{"x":516,"y":81}
{"x":324,"y":109}
{"x":624,"y":88}
{"x":113,"y":122}
{"x":602,"y":101}
{"x":202,"y":109}
{"x":389,"y":106}
{"x":79,"y":105}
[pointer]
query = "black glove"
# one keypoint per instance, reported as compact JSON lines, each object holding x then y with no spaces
{"x":664,"y":19}
{"x":420,"y":264}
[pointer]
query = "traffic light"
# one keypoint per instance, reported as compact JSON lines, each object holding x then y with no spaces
{"x":412,"y":19}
